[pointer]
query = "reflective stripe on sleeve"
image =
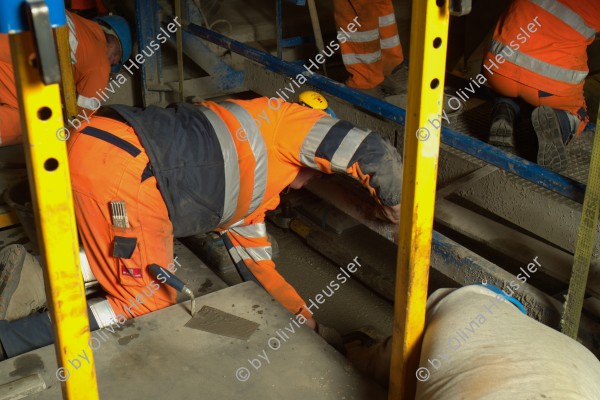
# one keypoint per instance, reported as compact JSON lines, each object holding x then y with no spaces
{"x":312,"y":141}
{"x":344,"y":153}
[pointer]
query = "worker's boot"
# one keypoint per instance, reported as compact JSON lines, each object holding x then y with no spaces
{"x":554,"y":129}
{"x":397,"y":81}
{"x":21,"y":283}
{"x":502,"y":128}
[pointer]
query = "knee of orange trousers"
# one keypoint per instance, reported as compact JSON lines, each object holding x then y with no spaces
{"x":10,"y":126}
{"x":504,"y":86}
{"x":508,"y":87}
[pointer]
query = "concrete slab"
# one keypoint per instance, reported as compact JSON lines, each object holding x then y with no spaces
{"x":155,"y":356}
{"x":196,"y":275}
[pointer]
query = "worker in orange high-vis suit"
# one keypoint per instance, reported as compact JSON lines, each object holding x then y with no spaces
{"x":189,"y":169}
{"x":370,"y":46}
{"x":538,"y":55}
{"x":96,"y":47}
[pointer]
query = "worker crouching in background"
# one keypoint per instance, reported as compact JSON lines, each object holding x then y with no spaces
{"x":190,"y":169}
{"x":538,"y":55}
{"x":372,"y":54}
{"x":97,"y":48}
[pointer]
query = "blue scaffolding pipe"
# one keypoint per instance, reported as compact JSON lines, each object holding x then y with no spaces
{"x":509,"y":162}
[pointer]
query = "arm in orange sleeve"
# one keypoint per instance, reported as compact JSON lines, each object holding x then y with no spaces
{"x":253,"y":246}
{"x":91,"y":67}
{"x":331,"y":145}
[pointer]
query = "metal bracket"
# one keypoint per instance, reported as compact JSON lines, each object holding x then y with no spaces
{"x":460,"y":7}
{"x":38,"y":14}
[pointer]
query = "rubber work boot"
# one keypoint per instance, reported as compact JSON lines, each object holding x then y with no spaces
{"x":503,"y":125}
{"x":397,"y":81}
{"x":21,"y":283}
{"x":553,"y":131}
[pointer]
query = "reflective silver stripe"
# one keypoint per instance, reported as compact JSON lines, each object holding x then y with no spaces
{"x":236,"y":255}
{"x":253,"y":231}
{"x":566,"y":15}
{"x":313,"y":140}
{"x":102,"y":312}
{"x":72,"y":39}
{"x":259,"y":149}
{"x":368,"y":58}
{"x":86,"y":269}
{"x":341,"y":157}
{"x":361,"y":37}
{"x":262,"y":253}
{"x":540,"y":67}
{"x":389,"y":42}
{"x":387,"y":20}
{"x":91,"y":103}
{"x":230,"y":163}
{"x":240,"y":222}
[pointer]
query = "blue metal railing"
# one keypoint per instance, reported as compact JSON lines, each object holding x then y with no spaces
{"x":509,"y":162}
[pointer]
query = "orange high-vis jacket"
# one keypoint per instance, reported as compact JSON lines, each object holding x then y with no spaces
{"x":544,"y":44}
{"x":221,"y":166}
{"x":90,"y":64}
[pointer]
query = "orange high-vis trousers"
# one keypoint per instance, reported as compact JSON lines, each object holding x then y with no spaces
{"x":374,"y":50}
{"x":107,"y":163}
{"x":573,"y":103}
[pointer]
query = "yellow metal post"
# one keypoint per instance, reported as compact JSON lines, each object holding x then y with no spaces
{"x":429,"y":34}
{"x":48,"y":171}
{"x":66,"y":72}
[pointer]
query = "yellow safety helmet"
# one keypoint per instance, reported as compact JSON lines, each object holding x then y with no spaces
{"x":315,"y":100}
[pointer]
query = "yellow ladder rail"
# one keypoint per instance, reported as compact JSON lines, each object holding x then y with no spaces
{"x":429,"y":33}
{"x":48,"y":172}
